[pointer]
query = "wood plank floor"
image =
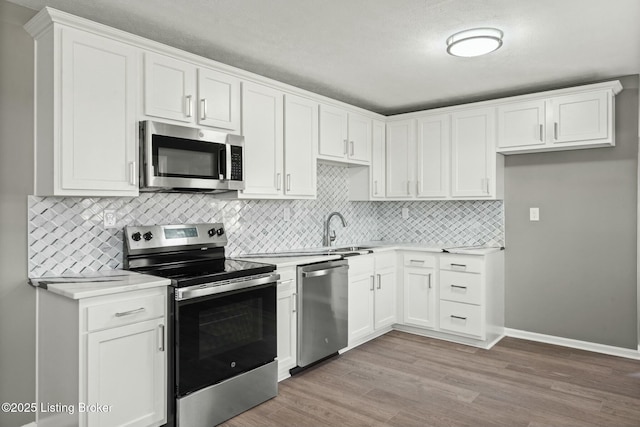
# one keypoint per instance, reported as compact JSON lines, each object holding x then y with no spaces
{"x":401,"y":379}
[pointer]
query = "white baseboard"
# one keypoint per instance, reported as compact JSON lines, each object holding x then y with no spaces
{"x":568,"y":342}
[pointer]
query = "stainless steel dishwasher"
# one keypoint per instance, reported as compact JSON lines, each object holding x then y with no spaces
{"x":322,"y":311}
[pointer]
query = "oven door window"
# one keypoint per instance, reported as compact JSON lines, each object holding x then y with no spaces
{"x":185,"y":158}
{"x":223,"y":336}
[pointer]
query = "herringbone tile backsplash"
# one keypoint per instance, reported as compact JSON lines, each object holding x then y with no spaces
{"x":66,"y":235}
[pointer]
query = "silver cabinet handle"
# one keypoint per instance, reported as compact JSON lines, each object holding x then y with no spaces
{"x":458,"y":317}
{"x":458,"y":287}
{"x":203,"y":103}
{"x":408,"y":188}
{"x":487,"y":185}
{"x":429,"y":276}
{"x":345,"y":146}
{"x":130,"y":312}
{"x":379,"y":281}
{"x":161,"y":337}
{"x":352,"y":148}
{"x":294,"y":302}
{"x":417,"y":261}
{"x":375,"y":187}
{"x":373,"y":282}
{"x":418,"y":187}
{"x":133,"y":173}
{"x":458,"y":266}
{"x":189,"y":105}
{"x":555,"y":130}
{"x":541,"y":133}
{"x":278,"y":176}
{"x":288,"y":182}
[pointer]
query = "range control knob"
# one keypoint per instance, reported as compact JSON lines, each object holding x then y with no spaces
{"x":220,"y":231}
{"x":211,"y":232}
{"x":148,"y":236}
{"x":136,"y":236}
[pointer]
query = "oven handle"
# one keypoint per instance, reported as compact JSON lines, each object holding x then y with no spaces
{"x":212,"y":289}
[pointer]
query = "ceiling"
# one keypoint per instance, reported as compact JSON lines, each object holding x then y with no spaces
{"x":389,"y":56}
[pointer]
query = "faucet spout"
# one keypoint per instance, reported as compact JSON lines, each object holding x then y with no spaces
{"x":328,"y":239}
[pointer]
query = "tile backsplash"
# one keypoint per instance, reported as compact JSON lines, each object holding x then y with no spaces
{"x":66,"y":234}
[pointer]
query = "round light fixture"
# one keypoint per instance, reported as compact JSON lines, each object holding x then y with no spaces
{"x":474,"y":42}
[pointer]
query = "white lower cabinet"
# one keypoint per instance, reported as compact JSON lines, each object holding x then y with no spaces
{"x":287,"y":321}
{"x":372,"y":295}
{"x":419,"y":282}
{"x":104,"y":356}
{"x":453,"y":296}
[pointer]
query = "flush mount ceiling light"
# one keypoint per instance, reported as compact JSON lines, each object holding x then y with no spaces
{"x":474,"y":42}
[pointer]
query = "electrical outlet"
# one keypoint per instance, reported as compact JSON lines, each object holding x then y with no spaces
{"x":109,"y":217}
{"x":534,"y":214}
{"x":286,"y":214}
{"x":405,"y":213}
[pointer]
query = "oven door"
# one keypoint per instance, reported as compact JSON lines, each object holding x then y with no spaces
{"x":188,"y":158}
{"x":223,"y":335}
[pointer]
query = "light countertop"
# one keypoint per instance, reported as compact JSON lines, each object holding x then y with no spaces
{"x":97,"y":284}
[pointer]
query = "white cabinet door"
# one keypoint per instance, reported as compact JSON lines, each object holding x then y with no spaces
{"x":262,"y":127}
{"x":361,"y":307}
{"x":433,"y":145}
{"x":419,"y":297}
{"x":521,"y":124}
{"x":287,"y":331}
{"x":333,"y":133}
{"x":473,"y":152}
{"x":126,"y":370}
{"x":169,"y":88}
{"x":580,"y":117}
{"x":400,"y":159}
{"x":385,"y":298}
{"x":99,"y":129}
{"x":359,"y":138}
{"x":300,"y":145}
{"x":378,"y":174}
{"x":218,"y":100}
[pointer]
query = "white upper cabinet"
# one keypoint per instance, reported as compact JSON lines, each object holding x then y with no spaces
{"x":433,"y":147}
{"x":401,"y":140}
{"x":170,"y":92}
{"x":218,"y":100}
{"x":521,"y":124}
{"x":300,"y":145}
{"x":281,"y":139}
{"x":86,"y":129}
{"x":473,"y":153}
{"x":566,"y":119}
{"x":344,"y":137}
{"x":378,"y":149}
{"x":262,"y":127}
{"x":169,"y":88}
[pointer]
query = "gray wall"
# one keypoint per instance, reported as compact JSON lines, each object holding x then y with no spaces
{"x":17,"y":299}
{"x":573,"y":274}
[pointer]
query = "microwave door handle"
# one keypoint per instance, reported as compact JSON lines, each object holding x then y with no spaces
{"x":228,"y":155}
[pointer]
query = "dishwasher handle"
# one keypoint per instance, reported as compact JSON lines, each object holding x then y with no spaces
{"x":325,"y":272}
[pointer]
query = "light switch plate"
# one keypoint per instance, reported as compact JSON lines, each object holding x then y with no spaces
{"x":109,"y":217}
{"x":405,"y":213}
{"x":534,"y":214}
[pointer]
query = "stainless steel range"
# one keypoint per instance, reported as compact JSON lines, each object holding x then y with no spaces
{"x":223,"y":321}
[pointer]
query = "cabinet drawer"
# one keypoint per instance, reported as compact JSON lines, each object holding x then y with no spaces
{"x":461,"y":287}
{"x":461,"y":318}
{"x":419,"y":259}
{"x":471,"y":264}
{"x":287,"y":279}
{"x":125,"y":311}
{"x":385,"y":260}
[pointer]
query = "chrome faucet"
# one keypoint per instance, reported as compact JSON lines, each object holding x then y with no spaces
{"x":328,"y":238}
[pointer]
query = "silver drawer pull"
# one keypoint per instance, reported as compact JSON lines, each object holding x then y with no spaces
{"x":373,"y":283}
{"x":130,"y":312}
{"x":161,"y":337}
{"x":459,"y":287}
{"x":458,"y":317}
{"x":294,"y":299}
{"x":459,"y":266}
{"x":419,"y":261}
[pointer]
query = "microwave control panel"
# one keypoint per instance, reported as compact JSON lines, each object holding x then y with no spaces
{"x":236,"y":163}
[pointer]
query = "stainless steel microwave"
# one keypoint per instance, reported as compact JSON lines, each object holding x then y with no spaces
{"x":179,"y":158}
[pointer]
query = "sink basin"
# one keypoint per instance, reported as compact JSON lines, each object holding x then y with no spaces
{"x":353,"y":248}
